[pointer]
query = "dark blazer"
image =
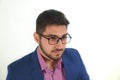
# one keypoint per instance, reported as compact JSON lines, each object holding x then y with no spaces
{"x":28,"y":68}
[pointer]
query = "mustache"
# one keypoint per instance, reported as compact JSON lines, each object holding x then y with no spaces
{"x":57,"y":50}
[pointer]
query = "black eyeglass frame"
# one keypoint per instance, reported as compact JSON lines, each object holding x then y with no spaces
{"x":48,"y":38}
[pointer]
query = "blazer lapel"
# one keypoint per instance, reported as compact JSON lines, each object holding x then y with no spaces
{"x":37,"y":75}
{"x":66,"y":65}
{"x":36,"y":70}
{"x":67,"y":71}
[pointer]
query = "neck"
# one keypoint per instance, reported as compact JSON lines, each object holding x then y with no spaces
{"x":50,"y":63}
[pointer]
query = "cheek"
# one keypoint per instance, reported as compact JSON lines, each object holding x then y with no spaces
{"x":46,"y":46}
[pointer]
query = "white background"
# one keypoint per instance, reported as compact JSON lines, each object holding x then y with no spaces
{"x":95,"y":31}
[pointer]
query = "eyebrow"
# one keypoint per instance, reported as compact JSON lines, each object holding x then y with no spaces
{"x":49,"y":35}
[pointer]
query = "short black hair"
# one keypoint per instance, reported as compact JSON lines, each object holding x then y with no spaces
{"x":50,"y":17}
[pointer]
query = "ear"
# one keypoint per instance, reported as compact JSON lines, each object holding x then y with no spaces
{"x":36,"y":37}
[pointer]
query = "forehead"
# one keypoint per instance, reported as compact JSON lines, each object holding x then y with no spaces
{"x":55,"y":30}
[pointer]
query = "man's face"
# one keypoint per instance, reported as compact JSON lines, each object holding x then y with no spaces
{"x":52,"y":52}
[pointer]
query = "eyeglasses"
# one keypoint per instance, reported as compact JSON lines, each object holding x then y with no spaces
{"x":53,"y":39}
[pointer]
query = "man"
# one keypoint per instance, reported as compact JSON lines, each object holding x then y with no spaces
{"x":51,"y":60}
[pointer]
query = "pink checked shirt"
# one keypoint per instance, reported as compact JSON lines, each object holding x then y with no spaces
{"x":57,"y":74}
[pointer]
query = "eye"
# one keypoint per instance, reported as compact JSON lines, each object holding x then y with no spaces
{"x":54,"y":38}
{"x":64,"y":36}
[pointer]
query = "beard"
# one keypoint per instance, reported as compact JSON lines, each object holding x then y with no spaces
{"x":47,"y":54}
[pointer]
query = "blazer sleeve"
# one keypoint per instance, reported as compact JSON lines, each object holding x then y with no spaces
{"x":76,"y":69}
{"x":9,"y":75}
{"x":84,"y":74}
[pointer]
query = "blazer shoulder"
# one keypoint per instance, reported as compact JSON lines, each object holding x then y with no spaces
{"x":22,"y":62}
{"x":71,"y":51}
